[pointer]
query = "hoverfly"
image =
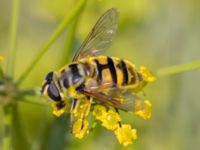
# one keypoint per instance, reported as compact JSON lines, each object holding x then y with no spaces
{"x":109,"y":80}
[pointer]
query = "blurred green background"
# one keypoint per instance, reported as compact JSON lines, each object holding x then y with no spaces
{"x":152,"y":33}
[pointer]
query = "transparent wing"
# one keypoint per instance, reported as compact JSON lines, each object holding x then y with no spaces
{"x":120,"y":98}
{"x":101,"y":36}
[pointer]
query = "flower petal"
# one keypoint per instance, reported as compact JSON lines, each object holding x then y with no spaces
{"x":78,"y":130}
{"x":145,"y":113}
{"x":125,"y":134}
{"x":58,"y":111}
{"x":147,"y":75}
{"x":111,"y":120}
{"x":99,"y":112}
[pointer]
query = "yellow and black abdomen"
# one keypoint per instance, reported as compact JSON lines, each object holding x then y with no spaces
{"x":111,"y":71}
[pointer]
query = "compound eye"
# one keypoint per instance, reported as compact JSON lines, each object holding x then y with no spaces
{"x":49,"y":76}
{"x":53,"y":92}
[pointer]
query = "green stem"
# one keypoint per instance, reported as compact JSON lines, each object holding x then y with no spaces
{"x":70,"y":40}
{"x":66,"y":21}
{"x":7,"y":137}
{"x":20,"y":140}
{"x":13,"y":38}
{"x":1,"y":73}
{"x":178,"y":68}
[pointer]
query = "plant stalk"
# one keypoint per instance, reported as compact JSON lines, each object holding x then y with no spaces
{"x":69,"y":43}
{"x":61,"y":27}
{"x":178,"y":68}
{"x":8,"y":120}
{"x":13,"y":38}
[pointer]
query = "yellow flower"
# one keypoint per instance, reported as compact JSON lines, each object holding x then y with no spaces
{"x":82,"y":110}
{"x":145,"y":112}
{"x":58,"y":108}
{"x":99,"y":112}
{"x":80,"y":129}
{"x":147,"y":75}
{"x":125,"y":134}
{"x":111,"y":120}
{"x":72,"y":92}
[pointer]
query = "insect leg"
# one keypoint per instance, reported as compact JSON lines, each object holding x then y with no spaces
{"x":60,"y":104}
{"x":72,"y":111}
{"x":117,"y":111}
{"x":88,"y":102}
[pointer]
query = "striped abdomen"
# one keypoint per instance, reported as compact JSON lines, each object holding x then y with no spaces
{"x":111,"y":71}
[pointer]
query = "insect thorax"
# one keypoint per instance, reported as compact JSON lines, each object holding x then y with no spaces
{"x":71,"y":78}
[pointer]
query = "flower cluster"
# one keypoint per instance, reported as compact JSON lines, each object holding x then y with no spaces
{"x":111,"y":120}
{"x":106,"y":115}
{"x":56,"y":109}
{"x":81,"y":125}
{"x":146,"y":74}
